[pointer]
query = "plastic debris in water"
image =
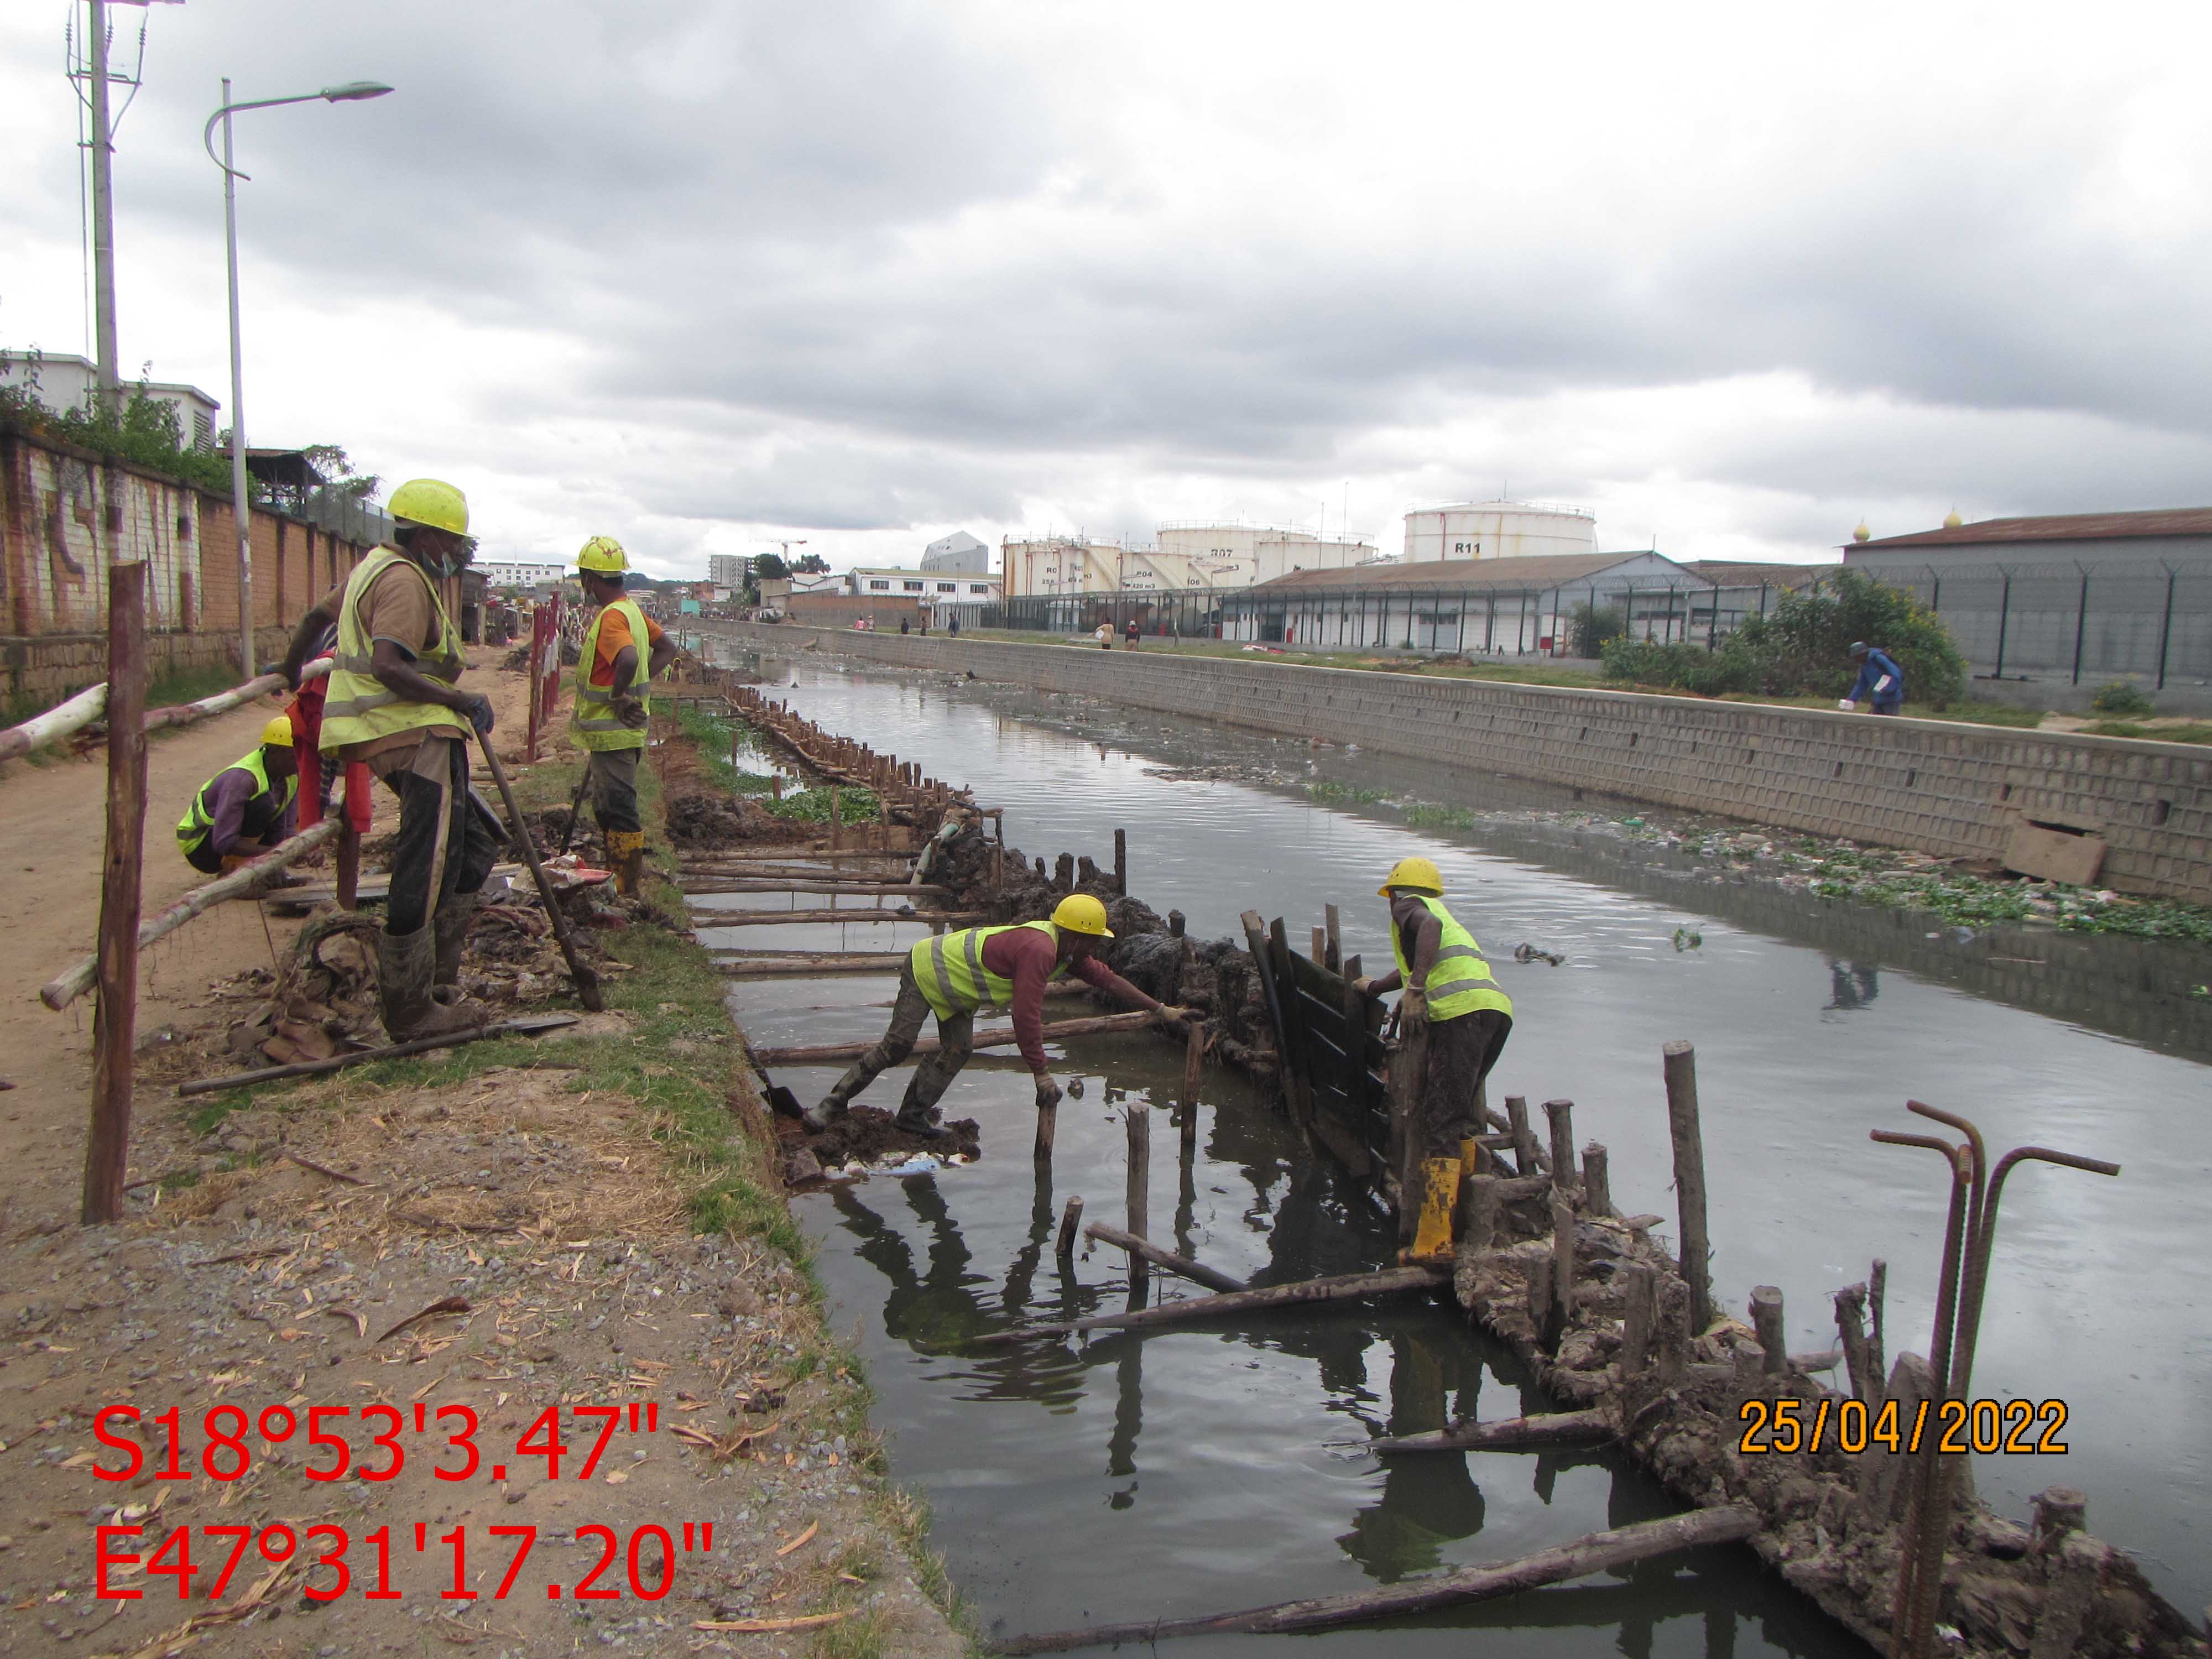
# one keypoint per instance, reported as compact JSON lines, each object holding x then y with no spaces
{"x":1687,"y":938}
{"x":913,"y":1165}
{"x":1526,"y":952}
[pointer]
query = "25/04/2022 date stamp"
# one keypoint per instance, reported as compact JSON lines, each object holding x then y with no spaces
{"x":339,"y":1564}
{"x":1852,"y":1426}
{"x":221,"y":1445}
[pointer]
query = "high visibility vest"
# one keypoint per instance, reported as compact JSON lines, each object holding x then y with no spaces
{"x":359,"y":707}
{"x":950,"y":970}
{"x":596,"y":724}
{"x":267,"y":806}
{"x":1460,"y":982}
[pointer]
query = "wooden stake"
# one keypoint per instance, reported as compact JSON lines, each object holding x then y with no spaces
{"x":1851,"y":1331}
{"x":1543,"y":1305}
{"x":1483,"y":1209}
{"x":1561,"y":1114}
{"x":1334,"y":931}
{"x":1600,"y":1552}
{"x":1122,"y":862}
{"x":349,"y":863}
{"x":1320,"y":945}
{"x":1681,"y":1066}
{"x":1877,"y":1286}
{"x":1524,"y":1140}
{"x":1071,"y":1219}
{"x":1585,"y":1428}
{"x":1347,"y":1287}
{"x":1139,"y":1118}
{"x":1638,"y":1313}
{"x":1597,"y":1185}
{"x":107,"y":1146}
{"x":1182,"y":1265}
{"x":1773,"y":1333}
{"x":1048,"y":1125}
{"x":836,"y":821}
{"x":1174,"y":924}
{"x":1562,"y":1258}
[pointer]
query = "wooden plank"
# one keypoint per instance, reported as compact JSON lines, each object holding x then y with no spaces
{"x":849,"y":889}
{"x":524,"y":1027}
{"x":1304,"y":1292}
{"x":988,"y":1038}
{"x":1137,"y":1245}
{"x":702,"y":917}
{"x":1256,"y":941}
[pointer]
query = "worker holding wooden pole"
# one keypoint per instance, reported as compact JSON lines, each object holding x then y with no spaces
{"x":1444,"y":976}
{"x":395,"y":704}
{"x":612,"y":707}
{"x":954,"y":974}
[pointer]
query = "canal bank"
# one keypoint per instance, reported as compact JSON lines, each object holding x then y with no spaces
{"x":1792,"y":1086}
{"x":1955,"y":790}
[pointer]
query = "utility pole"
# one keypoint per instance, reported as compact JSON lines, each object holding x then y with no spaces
{"x":103,"y":213}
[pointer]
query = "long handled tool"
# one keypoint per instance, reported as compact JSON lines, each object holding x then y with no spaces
{"x":588,"y":982}
{"x":575,"y":808}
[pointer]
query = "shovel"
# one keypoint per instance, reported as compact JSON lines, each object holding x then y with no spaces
{"x":588,"y":982}
{"x":575,"y":806}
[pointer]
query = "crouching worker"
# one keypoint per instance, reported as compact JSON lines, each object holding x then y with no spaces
{"x":954,"y":974}
{"x":1444,"y":977}
{"x":246,"y":808}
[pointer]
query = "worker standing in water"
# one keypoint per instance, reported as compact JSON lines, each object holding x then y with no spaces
{"x":954,"y":974}
{"x":1446,"y":980}
{"x":246,"y":808}
{"x":395,"y":704}
{"x":624,"y":651}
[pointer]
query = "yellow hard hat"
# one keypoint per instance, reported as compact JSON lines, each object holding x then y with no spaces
{"x":1079,"y":913}
{"x":432,"y":502}
{"x":603,"y":556}
{"x":277,"y":734}
{"x":1419,"y":874}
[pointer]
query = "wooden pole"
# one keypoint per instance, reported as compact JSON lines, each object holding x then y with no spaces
{"x":836,"y":821}
{"x":1584,"y":1428}
{"x":1334,"y":929}
{"x":1877,"y":1285}
{"x":1139,"y":1118}
{"x":1679,"y":1063}
{"x":1122,"y":862}
{"x":107,"y":1146}
{"x":1347,"y":1287}
{"x":1320,"y":944}
{"x":1850,"y":1332}
{"x":1048,"y":1126}
{"x":1483,"y":1205}
{"x":1773,"y":1333}
{"x":1639,"y":1315}
{"x":524,"y":1027}
{"x":826,"y":1053}
{"x":1561,"y":1114}
{"x":1524,"y":1139}
{"x":1198,"y":1271}
{"x":1597,"y":1183}
{"x":1071,"y":1219}
{"x":349,"y":863}
{"x":1599,"y":1552}
{"x":1563,"y":1257}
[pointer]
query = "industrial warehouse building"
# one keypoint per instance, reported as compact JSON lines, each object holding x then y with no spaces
{"x":2048,"y":608}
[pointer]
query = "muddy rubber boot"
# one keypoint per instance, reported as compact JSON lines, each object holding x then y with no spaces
{"x":819,"y":1116}
{"x":626,"y":857}
{"x":412,"y":1005}
{"x":452,"y":927}
{"x":912,"y":1117}
{"x":1432,"y":1233}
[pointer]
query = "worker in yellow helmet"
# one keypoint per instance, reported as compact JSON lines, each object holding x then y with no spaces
{"x":395,"y":704}
{"x":245,"y":809}
{"x":954,"y":974}
{"x":624,"y":651}
{"x":1446,"y":983}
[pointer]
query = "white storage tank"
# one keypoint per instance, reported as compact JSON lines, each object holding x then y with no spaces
{"x":1497,"y":530}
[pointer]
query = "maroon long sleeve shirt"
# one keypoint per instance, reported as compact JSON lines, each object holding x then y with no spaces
{"x":1027,"y":956}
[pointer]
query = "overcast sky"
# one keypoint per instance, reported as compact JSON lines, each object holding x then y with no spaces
{"x":706,"y":274}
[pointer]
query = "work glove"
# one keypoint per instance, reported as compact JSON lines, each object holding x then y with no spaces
{"x":1847,"y":704}
{"x":1412,"y":1004}
{"x":1047,"y":1093}
{"x":1363,"y":985}
{"x":1172,"y":1015}
{"x":478,"y":707}
{"x":632,"y":713}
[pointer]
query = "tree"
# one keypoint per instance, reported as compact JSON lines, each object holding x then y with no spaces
{"x":769,"y":568}
{"x":338,"y":476}
{"x":809,"y":564}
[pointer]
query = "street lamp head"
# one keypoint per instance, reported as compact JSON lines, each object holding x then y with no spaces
{"x":351,"y":90}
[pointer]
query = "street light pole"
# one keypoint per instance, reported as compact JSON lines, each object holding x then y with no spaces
{"x":241,"y":506}
{"x":103,"y":217}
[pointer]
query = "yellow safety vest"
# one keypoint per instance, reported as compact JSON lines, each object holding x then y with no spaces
{"x":359,"y":707}
{"x":596,"y":724}
{"x":950,"y":970}
{"x":1460,"y":981}
{"x":197,"y":822}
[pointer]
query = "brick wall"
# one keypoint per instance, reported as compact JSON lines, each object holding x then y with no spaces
{"x":1938,"y":786}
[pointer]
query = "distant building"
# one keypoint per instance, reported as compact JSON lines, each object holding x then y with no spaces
{"x":942,"y":593}
{"x":1187,"y":557}
{"x":521,"y":573}
{"x":1498,"y":530}
{"x":959,"y":551}
{"x":1222,"y":555}
{"x":729,"y":570}
{"x":68,"y":382}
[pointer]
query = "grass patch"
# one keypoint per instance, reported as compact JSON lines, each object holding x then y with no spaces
{"x":2194,"y":731}
{"x":1344,"y":795}
{"x":715,"y":735}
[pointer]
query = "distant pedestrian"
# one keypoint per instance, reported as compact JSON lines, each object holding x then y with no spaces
{"x":1104,"y":634}
{"x":904,"y":626}
{"x":1134,"y":632}
{"x":1880,"y":680}
{"x":954,"y":626}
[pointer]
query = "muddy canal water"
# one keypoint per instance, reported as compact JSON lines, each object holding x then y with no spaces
{"x":1195,"y":1471}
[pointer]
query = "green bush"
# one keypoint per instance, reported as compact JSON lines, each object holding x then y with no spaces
{"x":2121,"y":698}
{"x":146,"y":432}
{"x":1590,"y":628}
{"x":1802,"y":648}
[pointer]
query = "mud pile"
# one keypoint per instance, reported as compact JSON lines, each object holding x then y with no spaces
{"x":704,"y":821}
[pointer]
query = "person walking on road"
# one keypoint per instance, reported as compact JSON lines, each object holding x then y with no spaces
{"x":1133,"y":632}
{"x":1445,"y":980}
{"x":1880,"y":680}
{"x":954,"y":974}
{"x":624,"y":651}
{"x":245,"y":809}
{"x":395,"y":704}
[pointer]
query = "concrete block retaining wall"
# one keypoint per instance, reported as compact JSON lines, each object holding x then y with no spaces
{"x":1944,"y":788}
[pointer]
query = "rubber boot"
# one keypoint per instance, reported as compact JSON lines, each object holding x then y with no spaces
{"x":413,"y":1005}
{"x":1432,"y":1233}
{"x":912,"y":1117}
{"x":452,"y":927}
{"x":626,"y":856}
{"x":825,"y":1112}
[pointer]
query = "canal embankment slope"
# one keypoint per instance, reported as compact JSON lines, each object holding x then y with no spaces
{"x":1944,"y":788}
